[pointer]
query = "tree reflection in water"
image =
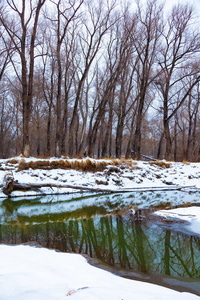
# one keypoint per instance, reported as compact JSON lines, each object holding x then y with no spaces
{"x":116,"y":239}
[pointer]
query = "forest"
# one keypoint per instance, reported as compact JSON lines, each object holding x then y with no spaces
{"x":99,"y":78}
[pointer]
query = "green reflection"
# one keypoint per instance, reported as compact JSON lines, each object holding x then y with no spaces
{"x":116,"y":239}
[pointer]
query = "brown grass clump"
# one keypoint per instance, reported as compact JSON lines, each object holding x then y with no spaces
{"x":114,"y":161}
{"x":57,"y":164}
{"x":89,"y":165}
{"x":128,"y":162}
{"x":12,"y":161}
{"x":39,"y":164}
{"x":160,"y":163}
{"x":185,"y":162}
{"x":22,"y":165}
{"x":86,"y":165}
{"x":83,"y":165}
{"x":188,"y":204}
{"x":67,"y":164}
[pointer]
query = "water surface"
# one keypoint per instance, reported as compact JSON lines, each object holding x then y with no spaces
{"x":104,"y":228}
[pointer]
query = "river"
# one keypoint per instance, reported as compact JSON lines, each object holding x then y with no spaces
{"x":116,"y":232}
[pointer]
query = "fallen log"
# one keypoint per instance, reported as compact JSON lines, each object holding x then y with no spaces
{"x":146,"y":157}
{"x":16,"y":186}
{"x":8,"y":184}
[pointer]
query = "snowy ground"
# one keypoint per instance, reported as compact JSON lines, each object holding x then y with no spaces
{"x":138,"y":174}
{"x":28,"y":273}
{"x":190,"y":216}
{"x":37,"y":273}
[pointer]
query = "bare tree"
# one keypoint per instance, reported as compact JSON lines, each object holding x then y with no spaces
{"x":117,"y":52}
{"x":70,"y":69}
{"x":66,"y":12}
{"x":187,"y":122}
{"x":90,"y":39}
{"x":98,"y":69}
{"x":6,"y":52}
{"x":48,"y":80}
{"x":146,"y":41}
{"x":179,"y":45}
{"x":21,"y":26}
{"x":6,"y":120}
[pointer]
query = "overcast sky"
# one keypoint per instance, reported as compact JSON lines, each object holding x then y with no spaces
{"x":196,"y":3}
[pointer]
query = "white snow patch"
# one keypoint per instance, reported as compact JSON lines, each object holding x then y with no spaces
{"x":37,"y":273}
{"x":191,"y":215}
{"x":141,"y":175}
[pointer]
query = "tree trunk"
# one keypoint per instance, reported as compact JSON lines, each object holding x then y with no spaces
{"x":28,"y":93}
{"x":58,"y":103}
{"x":194,"y":155}
{"x":49,"y":133}
{"x":175,"y":141}
{"x":73,"y":128}
{"x":128,"y":149}
{"x":168,"y":145}
{"x":106,"y":144}
{"x":136,"y":154}
{"x":92,"y":136}
{"x":25,"y":107}
{"x":26,"y":118}
{"x":38,"y":139}
{"x":168,"y":150}
{"x":64,"y":124}
{"x":160,"y":146}
{"x":119,"y":135}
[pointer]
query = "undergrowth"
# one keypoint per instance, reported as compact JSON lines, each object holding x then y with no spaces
{"x":185,"y":162}
{"x":83,"y":165}
{"x":160,"y":163}
{"x":12,"y":161}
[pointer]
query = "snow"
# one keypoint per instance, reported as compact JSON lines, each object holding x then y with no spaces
{"x":140,"y":174}
{"x":37,"y":273}
{"x":191,"y":216}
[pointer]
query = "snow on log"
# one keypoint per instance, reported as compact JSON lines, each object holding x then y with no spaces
{"x":12,"y":185}
{"x":8,"y":184}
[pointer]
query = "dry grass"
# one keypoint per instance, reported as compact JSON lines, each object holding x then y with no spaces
{"x":188,"y":204}
{"x":185,"y":162}
{"x":128,"y":162}
{"x":160,"y":163}
{"x":83,"y":165}
{"x":86,"y":165}
{"x":166,"y":205}
{"x":12,"y":161}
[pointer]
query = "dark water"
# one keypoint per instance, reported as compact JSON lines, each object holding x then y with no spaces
{"x":103,"y":228}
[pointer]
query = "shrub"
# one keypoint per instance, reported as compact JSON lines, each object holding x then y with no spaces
{"x":160,"y":163}
{"x":185,"y":162}
{"x":12,"y":161}
{"x":86,"y":165}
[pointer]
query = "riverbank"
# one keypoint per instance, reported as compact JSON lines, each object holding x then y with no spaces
{"x":32,"y":176}
{"x":37,"y":273}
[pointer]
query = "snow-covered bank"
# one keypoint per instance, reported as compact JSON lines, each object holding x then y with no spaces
{"x":125,"y":175}
{"x":190,"y":216}
{"x":38,"y":273}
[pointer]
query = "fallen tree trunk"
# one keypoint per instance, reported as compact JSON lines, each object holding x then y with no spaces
{"x":146,"y":157}
{"x":14,"y":186}
{"x":8,"y":184}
